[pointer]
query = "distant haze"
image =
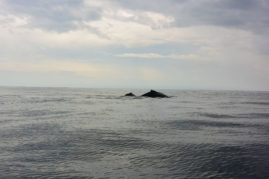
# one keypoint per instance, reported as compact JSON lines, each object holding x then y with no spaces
{"x":183,"y":44}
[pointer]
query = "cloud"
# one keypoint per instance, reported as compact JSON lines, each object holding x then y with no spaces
{"x":231,"y":36}
{"x":155,"y":55}
{"x":115,"y":25}
{"x":252,"y":15}
{"x":59,"y":16}
{"x":118,"y":25}
{"x":64,"y":15}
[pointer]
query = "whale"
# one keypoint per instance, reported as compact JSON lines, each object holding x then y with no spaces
{"x":154,"y":94}
{"x":129,"y":94}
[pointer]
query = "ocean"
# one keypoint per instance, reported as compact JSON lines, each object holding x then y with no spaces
{"x":98,"y":133}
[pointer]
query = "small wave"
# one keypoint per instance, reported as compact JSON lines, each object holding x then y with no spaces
{"x":215,"y":115}
{"x":51,"y":100}
{"x":130,"y":97}
{"x":44,"y":100}
{"x":196,"y":124}
{"x":34,"y":113}
{"x":257,"y":103}
{"x":255,"y":115}
{"x":54,"y":100}
{"x":225,"y":116}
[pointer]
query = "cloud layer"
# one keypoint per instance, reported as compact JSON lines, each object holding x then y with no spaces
{"x":169,"y":44}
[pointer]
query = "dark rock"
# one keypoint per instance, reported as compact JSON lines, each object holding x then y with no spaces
{"x":155,"y":94}
{"x":129,"y":94}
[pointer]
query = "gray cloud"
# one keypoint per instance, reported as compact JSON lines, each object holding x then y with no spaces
{"x":250,"y":15}
{"x":58,"y":15}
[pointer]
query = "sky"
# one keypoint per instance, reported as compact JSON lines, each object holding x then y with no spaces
{"x":171,"y":44}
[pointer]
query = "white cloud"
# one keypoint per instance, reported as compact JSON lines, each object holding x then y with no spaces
{"x":155,"y":55}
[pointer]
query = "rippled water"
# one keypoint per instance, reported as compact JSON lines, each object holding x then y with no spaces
{"x":62,"y":132}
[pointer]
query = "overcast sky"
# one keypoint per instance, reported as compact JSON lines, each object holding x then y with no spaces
{"x":183,"y":44}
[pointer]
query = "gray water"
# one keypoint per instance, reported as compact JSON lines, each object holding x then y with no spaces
{"x":96,"y":133}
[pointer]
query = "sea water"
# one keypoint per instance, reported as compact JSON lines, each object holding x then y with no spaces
{"x":98,"y":133}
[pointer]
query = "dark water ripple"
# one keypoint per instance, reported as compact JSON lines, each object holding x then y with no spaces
{"x":226,"y":116}
{"x":214,"y":115}
{"x":258,"y":103}
{"x":197,"y":124}
{"x":97,"y":133}
{"x":255,"y":115}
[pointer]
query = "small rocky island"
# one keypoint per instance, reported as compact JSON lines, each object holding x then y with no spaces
{"x":150,"y":94}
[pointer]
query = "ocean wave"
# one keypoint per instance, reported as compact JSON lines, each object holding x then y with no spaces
{"x":256,"y":103}
{"x":254,"y":115}
{"x":214,"y":115}
{"x":75,"y":133}
{"x":46,"y":100}
{"x":225,"y":116}
{"x":197,"y":124}
{"x":38,"y":113}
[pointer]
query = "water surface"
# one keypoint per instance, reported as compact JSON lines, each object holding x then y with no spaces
{"x":96,"y":133}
